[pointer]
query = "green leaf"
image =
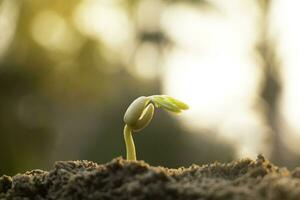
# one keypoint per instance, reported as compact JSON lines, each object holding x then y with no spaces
{"x":177,"y":102}
{"x":165,"y":103}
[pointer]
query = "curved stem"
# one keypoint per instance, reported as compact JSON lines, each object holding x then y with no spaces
{"x":130,"y":148}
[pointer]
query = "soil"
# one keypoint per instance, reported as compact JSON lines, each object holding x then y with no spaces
{"x":120,"y":179}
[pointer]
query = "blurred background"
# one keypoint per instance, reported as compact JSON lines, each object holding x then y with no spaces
{"x":69,"y":69}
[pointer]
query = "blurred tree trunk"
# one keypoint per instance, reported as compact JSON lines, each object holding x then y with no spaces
{"x":280,"y":154}
{"x":271,"y":85}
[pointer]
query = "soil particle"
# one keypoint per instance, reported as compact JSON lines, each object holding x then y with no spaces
{"x":5,"y":183}
{"x":123,"y":180}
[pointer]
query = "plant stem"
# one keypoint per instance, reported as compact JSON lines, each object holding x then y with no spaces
{"x":130,"y":148}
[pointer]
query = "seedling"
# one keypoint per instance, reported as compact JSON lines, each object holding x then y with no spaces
{"x":140,"y":113}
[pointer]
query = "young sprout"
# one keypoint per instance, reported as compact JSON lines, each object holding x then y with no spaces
{"x":140,"y":112}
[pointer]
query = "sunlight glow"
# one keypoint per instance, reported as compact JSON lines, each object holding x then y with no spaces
{"x":212,"y":69}
{"x":212,"y":86}
{"x":286,"y":16}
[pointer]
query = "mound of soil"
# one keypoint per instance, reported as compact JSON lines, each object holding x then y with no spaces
{"x":119,"y":179}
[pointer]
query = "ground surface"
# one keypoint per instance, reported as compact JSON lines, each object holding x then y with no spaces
{"x":119,"y":179}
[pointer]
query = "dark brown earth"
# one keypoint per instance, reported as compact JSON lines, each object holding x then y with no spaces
{"x":119,"y":179}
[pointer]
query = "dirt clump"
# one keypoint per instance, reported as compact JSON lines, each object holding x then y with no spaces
{"x":123,"y":180}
